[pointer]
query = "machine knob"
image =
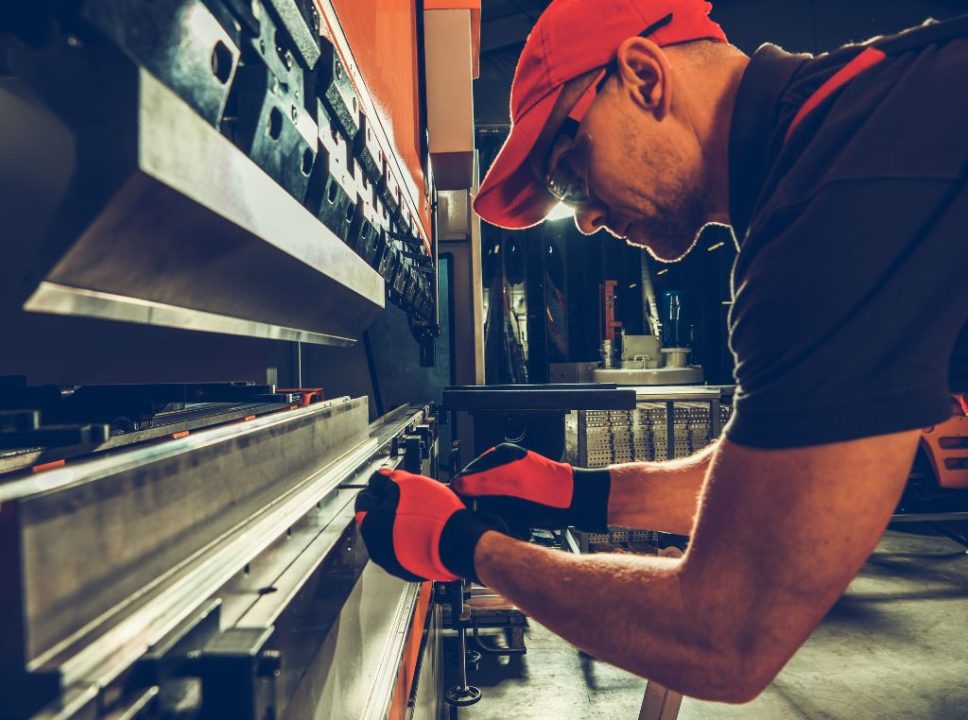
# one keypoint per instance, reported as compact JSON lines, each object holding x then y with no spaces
{"x":426,"y":433}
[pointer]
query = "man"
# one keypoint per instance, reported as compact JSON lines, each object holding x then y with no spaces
{"x":844,"y":179}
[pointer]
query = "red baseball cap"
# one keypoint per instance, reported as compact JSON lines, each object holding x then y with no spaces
{"x":571,"y":38}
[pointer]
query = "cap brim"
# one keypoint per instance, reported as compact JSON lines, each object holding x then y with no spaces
{"x":511,"y":196}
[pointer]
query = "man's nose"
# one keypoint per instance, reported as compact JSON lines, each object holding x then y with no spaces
{"x":590,"y":217}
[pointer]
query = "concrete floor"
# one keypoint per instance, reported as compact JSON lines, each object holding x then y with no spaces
{"x":895,"y":646}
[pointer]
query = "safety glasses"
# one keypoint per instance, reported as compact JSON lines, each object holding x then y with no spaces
{"x":565,"y":175}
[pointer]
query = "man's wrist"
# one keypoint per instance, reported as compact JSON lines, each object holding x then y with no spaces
{"x":487,"y":555}
{"x":458,"y":542}
{"x":592,"y":488}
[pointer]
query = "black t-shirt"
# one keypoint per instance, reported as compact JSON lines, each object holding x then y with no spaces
{"x":850,"y":289}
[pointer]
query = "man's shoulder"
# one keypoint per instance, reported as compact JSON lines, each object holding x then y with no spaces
{"x":899,"y":120}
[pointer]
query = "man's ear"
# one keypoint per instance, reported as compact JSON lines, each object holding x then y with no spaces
{"x":643,"y":73}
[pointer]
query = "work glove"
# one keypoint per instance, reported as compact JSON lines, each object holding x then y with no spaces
{"x":527,"y":490}
{"x":417,"y":529}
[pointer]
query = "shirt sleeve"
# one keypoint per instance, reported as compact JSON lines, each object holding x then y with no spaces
{"x":846,"y":309}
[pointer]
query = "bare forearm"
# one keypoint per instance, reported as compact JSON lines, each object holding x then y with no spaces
{"x":721,"y":622}
{"x":645,"y":626}
{"x":658,"y":495}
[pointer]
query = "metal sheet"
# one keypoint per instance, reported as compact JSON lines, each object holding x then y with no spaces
{"x":302,"y":546}
{"x":101,"y":533}
{"x":358,"y":663}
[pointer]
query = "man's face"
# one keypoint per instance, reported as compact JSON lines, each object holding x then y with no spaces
{"x":641,"y":173}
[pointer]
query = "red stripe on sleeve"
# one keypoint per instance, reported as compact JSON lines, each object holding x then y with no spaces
{"x":866,"y":59}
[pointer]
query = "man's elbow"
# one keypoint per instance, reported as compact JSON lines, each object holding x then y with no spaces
{"x":722,"y":672}
{"x":747,"y":681}
{"x":738,"y":677}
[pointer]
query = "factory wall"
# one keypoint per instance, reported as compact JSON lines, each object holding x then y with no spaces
{"x":797,"y":25}
{"x":702,"y":277}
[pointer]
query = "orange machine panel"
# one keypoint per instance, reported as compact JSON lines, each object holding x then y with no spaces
{"x":411,"y":655}
{"x":947,"y":447}
{"x":382,"y":35}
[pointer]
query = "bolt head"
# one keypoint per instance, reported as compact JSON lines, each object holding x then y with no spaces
{"x":270,"y":663}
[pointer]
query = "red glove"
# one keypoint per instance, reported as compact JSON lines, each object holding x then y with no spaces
{"x":416,"y":528}
{"x":527,"y":490}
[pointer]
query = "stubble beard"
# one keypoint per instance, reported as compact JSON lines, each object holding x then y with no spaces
{"x":678,"y":212}
{"x":671,"y":231}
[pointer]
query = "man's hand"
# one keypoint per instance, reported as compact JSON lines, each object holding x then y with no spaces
{"x":416,"y":528}
{"x":528,"y":490}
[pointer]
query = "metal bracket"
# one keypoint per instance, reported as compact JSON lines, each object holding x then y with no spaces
{"x":238,"y":673}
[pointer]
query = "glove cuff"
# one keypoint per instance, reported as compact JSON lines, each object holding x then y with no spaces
{"x":590,"y":499}
{"x":459,"y":539}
